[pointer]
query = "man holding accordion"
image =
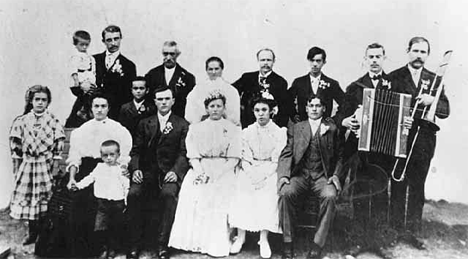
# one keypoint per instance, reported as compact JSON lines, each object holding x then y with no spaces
{"x":370,"y":171}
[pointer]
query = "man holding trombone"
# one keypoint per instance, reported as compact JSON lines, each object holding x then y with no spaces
{"x":409,"y":175}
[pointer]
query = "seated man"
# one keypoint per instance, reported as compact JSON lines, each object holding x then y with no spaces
{"x":311,"y":161}
{"x":159,"y":164}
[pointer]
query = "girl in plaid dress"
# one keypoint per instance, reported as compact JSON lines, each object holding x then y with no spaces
{"x":36,"y":141}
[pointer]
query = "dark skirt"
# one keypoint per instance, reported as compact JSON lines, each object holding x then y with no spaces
{"x":83,"y":241}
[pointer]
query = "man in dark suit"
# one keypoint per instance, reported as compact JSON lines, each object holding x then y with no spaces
{"x":315,"y":83}
{"x":267,"y":84}
{"x":310,"y":162}
{"x":159,"y":164}
{"x":173,"y":75}
{"x":370,"y":171}
{"x":139,"y":108}
{"x":407,"y":197}
{"x":114,"y":72}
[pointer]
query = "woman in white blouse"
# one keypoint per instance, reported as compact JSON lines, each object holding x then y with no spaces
{"x":255,"y":202}
{"x":195,"y":110}
{"x":84,"y":155}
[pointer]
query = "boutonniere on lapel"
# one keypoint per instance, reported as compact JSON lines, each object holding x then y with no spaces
{"x":324,"y":129}
{"x":323,"y":84}
{"x":387,"y":84}
{"x":117,"y":68}
{"x":168,"y":128}
{"x":266,"y":95}
{"x":180,"y":82}
{"x":142,"y":109}
{"x":425,"y":84}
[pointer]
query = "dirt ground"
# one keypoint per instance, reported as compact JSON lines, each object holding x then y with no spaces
{"x":445,"y":233}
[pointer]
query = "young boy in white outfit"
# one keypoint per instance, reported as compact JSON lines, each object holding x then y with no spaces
{"x":83,"y":72}
{"x":110,"y":189}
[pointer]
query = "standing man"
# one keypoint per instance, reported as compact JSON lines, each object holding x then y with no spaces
{"x":264,"y":83}
{"x":171,"y":74}
{"x":159,"y":164}
{"x":369,"y":170}
{"x":310,"y":162}
{"x":114,"y":72}
{"x":407,"y":197}
{"x":315,"y":83}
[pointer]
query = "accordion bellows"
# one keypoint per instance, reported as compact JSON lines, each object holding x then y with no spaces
{"x":382,"y":129}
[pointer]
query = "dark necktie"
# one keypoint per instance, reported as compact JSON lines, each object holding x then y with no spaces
{"x":262,"y":80}
{"x":377,"y":77}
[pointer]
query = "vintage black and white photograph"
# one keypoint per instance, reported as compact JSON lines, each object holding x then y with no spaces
{"x":318,"y":129}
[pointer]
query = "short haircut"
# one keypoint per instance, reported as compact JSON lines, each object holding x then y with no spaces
{"x":139,"y":78}
{"x":30,"y":96}
{"x":320,"y":97}
{"x":375,"y":46}
{"x":419,"y":39}
{"x":214,"y":59}
{"x":83,"y":35}
{"x":110,"y":143}
{"x":162,"y":89}
{"x":171,"y":43}
{"x":266,"y":49}
{"x":101,"y":96}
{"x":111,"y":28}
{"x":316,"y":51}
{"x":271,"y":103}
{"x":214,"y":96}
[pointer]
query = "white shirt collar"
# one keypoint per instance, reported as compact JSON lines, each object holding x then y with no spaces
{"x":164,"y":117}
{"x":372,"y":74}
{"x":414,"y":71}
{"x":138,"y":104}
{"x":314,"y":124}
{"x":315,"y":79}
{"x":170,"y":69}
{"x":115,"y":54}
{"x":104,"y":121}
{"x":265,"y":75}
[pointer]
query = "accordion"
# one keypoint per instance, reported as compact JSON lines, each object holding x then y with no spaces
{"x":382,"y":129}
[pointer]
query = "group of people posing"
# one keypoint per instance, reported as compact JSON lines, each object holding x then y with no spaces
{"x":186,"y":163}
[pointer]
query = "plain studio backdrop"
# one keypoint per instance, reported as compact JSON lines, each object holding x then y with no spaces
{"x":37,"y":43}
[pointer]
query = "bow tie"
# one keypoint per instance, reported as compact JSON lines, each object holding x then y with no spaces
{"x":377,"y":77}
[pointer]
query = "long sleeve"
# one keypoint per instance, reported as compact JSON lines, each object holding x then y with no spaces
{"x":338,"y":95}
{"x":125,"y":141}
{"x":286,"y":158}
{"x":292,"y":92}
{"x":74,"y":153}
{"x":191,"y":143}
{"x":338,"y":153}
{"x":181,"y":164}
{"x":280,"y":142}
{"x":233,"y":107}
{"x":87,"y":181}
{"x":443,"y":107}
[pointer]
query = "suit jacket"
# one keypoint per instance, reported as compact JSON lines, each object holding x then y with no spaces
{"x":403,"y":83}
{"x":155,"y":152}
{"x":249,"y":88}
{"x":299,"y":134}
{"x":115,"y":85}
{"x":182,"y":82}
{"x":129,"y":116}
{"x":301,"y":90}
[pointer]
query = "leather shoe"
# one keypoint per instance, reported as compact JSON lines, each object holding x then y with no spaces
{"x":288,"y":252}
{"x":133,"y":254}
{"x":104,"y":254}
{"x":163,"y":253}
{"x":30,"y":239}
{"x":354,"y":251}
{"x":315,"y":252}
{"x":411,"y":240}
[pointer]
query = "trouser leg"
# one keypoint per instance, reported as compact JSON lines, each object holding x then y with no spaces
{"x":288,"y":202}
{"x":327,"y":194}
{"x":168,"y":203}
